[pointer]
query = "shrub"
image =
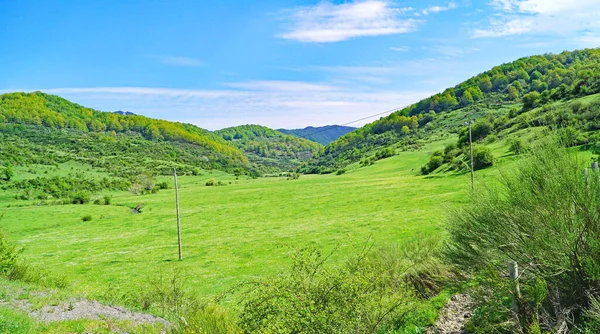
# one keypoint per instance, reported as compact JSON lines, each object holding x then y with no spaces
{"x":340,"y":172}
{"x":545,"y":217}
{"x":360,"y":297}
{"x":211,"y":183}
{"x":163,"y":185}
{"x":107,"y":199}
{"x":516,"y":145}
{"x":98,"y":201}
{"x":482,"y":157}
{"x":434,"y":163}
{"x":81,"y":197}
{"x":8,"y":257}
{"x":86,"y":218}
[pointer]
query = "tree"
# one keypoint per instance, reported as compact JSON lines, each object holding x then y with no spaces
{"x":8,"y":172}
{"x":499,"y":82}
{"x":513,"y":93}
{"x":467,"y":98}
{"x":405,"y":130}
{"x":531,"y":100}
{"x":485,"y":84}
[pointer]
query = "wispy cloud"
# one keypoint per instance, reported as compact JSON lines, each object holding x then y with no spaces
{"x":574,"y":18}
{"x":327,"y":22}
{"x":452,"y":51}
{"x":215,"y":109}
{"x":280,"y":86}
{"x":399,"y":49}
{"x":437,"y":9}
{"x":180,"y":61}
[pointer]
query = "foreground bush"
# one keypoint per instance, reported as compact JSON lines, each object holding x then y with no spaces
{"x":364,"y":296}
{"x":546,"y":218}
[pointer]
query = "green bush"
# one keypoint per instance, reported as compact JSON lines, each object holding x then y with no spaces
{"x":360,"y":297}
{"x":516,"y":145}
{"x":107,"y":199}
{"x":482,"y":157}
{"x":86,"y":218}
{"x":340,"y":171}
{"x":8,"y":257}
{"x":211,"y":183}
{"x":434,"y":163}
{"x":81,"y":197}
{"x":546,"y":218}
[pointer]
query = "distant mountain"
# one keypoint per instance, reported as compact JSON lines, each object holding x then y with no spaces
{"x":124,"y":113}
{"x":269,"y":148}
{"x":322,"y":135}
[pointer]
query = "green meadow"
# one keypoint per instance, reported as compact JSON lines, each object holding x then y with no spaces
{"x":245,"y":229}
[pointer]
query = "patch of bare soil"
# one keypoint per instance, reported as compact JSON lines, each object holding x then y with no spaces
{"x":454,"y":316}
{"x":85,"y":309}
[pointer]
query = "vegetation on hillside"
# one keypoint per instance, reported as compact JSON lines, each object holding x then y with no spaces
{"x":320,"y":134}
{"x":268,"y":147}
{"x":529,"y":82}
{"x":544,"y":216}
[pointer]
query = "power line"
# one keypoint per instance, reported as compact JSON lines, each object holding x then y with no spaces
{"x":358,"y":120}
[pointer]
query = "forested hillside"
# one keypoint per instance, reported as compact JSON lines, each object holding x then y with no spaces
{"x":47,"y":129}
{"x":320,"y":134}
{"x":268,"y":147}
{"x":501,"y":95}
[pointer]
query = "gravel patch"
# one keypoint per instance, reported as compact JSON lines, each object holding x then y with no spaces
{"x":454,"y":316}
{"x":85,"y":309}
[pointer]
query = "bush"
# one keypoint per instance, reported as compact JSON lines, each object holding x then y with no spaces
{"x":8,"y":257}
{"x":360,"y":297}
{"x":163,"y":185}
{"x":107,"y":199}
{"x":340,"y":172}
{"x":211,"y":183}
{"x":545,"y":217}
{"x":86,"y":218}
{"x":482,"y":157}
{"x":516,"y":145}
{"x":81,"y":197}
{"x":434,"y":163}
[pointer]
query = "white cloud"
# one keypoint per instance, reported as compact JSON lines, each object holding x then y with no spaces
{"x":327,"y":22}
{"x":437,"y":9}
{"x":399,"y":49}
{"x":180,"y":61}
{"x":215,"y":109}
{"x":575,"y":18}
{"x":453,"y":51}
{"x":281,"y":86}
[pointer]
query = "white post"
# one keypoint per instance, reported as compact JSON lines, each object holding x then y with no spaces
{"x":513,"y":273}
{"x":177,"y":209}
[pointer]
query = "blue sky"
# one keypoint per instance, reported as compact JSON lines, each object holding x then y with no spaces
{"x":277,"y":63}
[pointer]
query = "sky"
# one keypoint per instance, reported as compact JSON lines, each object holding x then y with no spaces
{"x":282,"y":64}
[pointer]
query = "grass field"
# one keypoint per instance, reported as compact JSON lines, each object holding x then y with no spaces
{"x":234,"y":232}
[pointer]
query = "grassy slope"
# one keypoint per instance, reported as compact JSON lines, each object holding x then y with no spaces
{"x":234,"y":232}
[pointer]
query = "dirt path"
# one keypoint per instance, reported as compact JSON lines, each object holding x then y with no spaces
{"x":453,"y":317}
{"x":84,"y":309}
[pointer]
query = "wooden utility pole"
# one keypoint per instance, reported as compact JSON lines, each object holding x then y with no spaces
{"x":177,"y":209}
{"x":470,"y":123}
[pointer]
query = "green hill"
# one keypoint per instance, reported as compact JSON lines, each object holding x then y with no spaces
{"x":506,"y":96}
{"x":321,"y":134}
{"x":270,"y":148}
{"x":42,"y":128}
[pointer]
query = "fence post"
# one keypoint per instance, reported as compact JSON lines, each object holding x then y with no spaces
{"x":595,"y":166}
{"x":513,"y":273}
{"x":585,"y":175}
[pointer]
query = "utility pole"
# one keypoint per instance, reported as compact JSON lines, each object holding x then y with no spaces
{"x":177,"y":209}
{"x":470,"y":123}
